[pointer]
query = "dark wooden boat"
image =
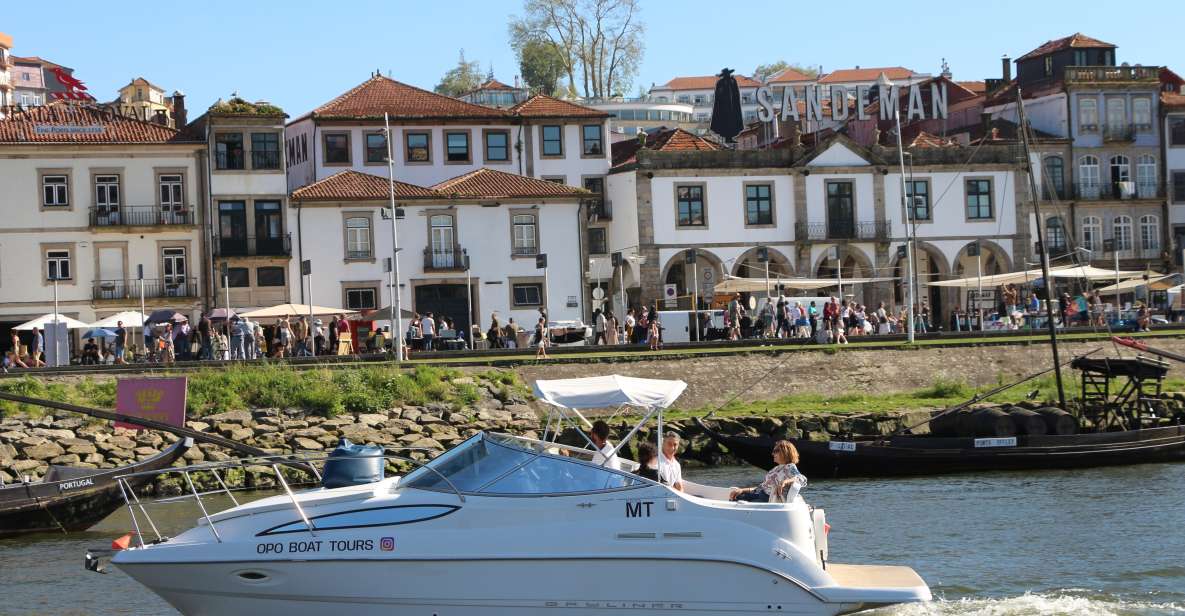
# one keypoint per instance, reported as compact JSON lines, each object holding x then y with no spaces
{"x":71,"y":499}
{"x":931,"y":455}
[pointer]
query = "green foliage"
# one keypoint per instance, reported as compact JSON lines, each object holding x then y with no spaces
{"x":462,"y":78}
{"x":238,"y":106}
{"x":765,"y":71}
{"x":947,"y":388}
{"x":541,"y":64}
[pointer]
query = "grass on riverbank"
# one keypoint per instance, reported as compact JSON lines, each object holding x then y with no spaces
{"x":328,"y":392}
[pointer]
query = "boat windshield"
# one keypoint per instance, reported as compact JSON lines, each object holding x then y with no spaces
{"x":487,"y":464}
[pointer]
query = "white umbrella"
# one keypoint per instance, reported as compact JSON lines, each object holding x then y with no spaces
{"x":293,"y":310}
{"x":130,"y":318}
{"x":46,"y":319}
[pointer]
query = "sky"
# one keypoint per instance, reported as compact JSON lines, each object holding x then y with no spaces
{"x":299,"y":54}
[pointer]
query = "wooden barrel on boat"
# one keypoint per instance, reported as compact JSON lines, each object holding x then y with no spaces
{"x":1058,"y":421}
{"x":946,"y":425}
{"x":992,"y":422}
{"x":1028,"y":422}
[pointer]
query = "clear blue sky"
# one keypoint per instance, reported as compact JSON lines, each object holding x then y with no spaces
{"x":299,"y":54}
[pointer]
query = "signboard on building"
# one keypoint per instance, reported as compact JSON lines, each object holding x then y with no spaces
{"x":158,"y":399}
{"x":784,"y":104}
{"x":670,"y":296}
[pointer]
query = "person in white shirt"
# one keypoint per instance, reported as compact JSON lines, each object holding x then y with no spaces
{"x":605,"y":456}
{"x":670,"y":472}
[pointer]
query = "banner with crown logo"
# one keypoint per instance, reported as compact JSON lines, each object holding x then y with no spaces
{"x":159,"y":399}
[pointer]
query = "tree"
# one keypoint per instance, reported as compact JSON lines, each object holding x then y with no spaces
{"x":602,"y":40}
{"x":765,"y":71}
{"x":464,"y":77}
{"x":541,"y":64}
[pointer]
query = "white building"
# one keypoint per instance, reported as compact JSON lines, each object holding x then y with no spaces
{"x":91,"y":197}
{"x":1172,"y":104}
{"x":496,"y":221}
{"x":700,"y":93}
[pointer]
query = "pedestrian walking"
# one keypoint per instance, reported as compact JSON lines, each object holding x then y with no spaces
{"x":598,"y":327}
{"x":541,"y":338}
{"x":428,"y":326}
{"x":121,"y":342}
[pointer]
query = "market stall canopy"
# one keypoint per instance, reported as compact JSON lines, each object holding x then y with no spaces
{"x":1154,"y":283}
{"x":221,"y":314}
{"x":45,"y":319}
{"x":1092,"y":273}
{"x":759,"y":285}
{"x":166,"y":315}
{"x":599,"y":392}
{"x":384,"y":314}
{"x":293,"y":310}
{"x":130,"y":318}
{"x":1025,"y":277}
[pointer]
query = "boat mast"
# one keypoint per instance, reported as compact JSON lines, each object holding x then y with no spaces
{"x":1022,"y":122}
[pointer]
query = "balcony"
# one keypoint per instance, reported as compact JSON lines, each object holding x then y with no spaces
{"x":232,"y":161}
{"x":841,"y":230}
{"x":1079,"y":75}
{"x":1118,"y":132}
{"x":524,"y":251}
{"x":1117,"y":191}
{"x":599,"y":209}
{"x":129,"y":290}
{"x":139,"y":216}
{"x":444,"y":259}
{"x":251,"y":246}
{"x":265,"y":159}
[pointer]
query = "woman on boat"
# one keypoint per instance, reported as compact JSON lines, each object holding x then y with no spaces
{"x":778,"y":480}
{"x":648,"y":459}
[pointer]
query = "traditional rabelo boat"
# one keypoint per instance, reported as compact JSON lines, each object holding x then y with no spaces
{"x":69,"y":499}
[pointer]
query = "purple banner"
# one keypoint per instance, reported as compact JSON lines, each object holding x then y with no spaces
{"x":158,"y":399}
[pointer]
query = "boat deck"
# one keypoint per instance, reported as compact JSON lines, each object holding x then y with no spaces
{"x":874,"y":576}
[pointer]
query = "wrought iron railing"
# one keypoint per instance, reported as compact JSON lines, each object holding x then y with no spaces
{"x":140,"y":215}
{"x":449,"y":258}
{"x":154,"y":288}
{"x":265,"y":159}
{"x":1090,"y":190}
{"x":251,"y":246}
{"x":841,"y":230}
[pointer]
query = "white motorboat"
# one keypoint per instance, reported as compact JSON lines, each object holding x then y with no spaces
{"x":506,"y":525}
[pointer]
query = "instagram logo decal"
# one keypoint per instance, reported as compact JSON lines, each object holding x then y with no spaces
{"x":387,"y":544}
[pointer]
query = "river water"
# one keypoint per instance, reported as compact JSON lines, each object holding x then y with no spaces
{"x":1105,"y":541}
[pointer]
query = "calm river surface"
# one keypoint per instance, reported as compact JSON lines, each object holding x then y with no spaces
{"x":1107,"y":541}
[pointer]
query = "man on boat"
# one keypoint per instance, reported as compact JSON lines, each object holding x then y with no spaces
{"x":605,"y":456}
{"x":670,"y":472}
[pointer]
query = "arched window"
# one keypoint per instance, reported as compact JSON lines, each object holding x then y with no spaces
{"x":1088,"y":177}
{"x":1121,"y":175}
{"x":1055,"y":174}
{"x":1092,"y":233}
{"x":1150,"y":233}
{"x":1055,"y":235}
{"x":1146,"y":176}
{"x":1121,"y":229}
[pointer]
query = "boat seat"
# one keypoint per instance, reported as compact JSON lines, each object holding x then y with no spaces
{"x":66,"y":473}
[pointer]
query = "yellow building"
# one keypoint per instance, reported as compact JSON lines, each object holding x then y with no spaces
{"x":141,"y":99}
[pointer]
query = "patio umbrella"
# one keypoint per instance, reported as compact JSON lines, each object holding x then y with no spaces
{"x":98,"y":332}
{"x":46,"y":319}
{"x":384,"y":314}
{"x":293,"y":310}
{"x":220,"y":314}
{"x":166,"y":315}
{"x":130,"y":318}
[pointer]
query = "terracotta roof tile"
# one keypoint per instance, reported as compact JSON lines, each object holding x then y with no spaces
{"x":706,"y":82}
{"x":491,"y":184}
{"x":36,"y":125}
{"x":379,"y":95}
{"x":543,"y":106}
{"x":845,"y":75}
{"x":788,"y":75}
{"x":1172,"y":100}
{"x":978,"y":87}
{"x":494,"y":84}
{"x":928,"y":140}
{"x":673,"y":140}
{"x":357,"y":186}
{"x":1076,"y":40}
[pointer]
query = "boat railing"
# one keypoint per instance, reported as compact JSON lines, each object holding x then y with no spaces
{"x":303,"y":461}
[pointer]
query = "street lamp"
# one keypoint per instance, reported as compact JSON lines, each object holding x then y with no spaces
{"x":884,"y":85}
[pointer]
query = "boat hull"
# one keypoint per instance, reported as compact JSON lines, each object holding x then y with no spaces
{"x":489,"y":587}
{"x":925,"y":455}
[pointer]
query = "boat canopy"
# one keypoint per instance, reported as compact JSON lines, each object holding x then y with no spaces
{"x":598,"y":392}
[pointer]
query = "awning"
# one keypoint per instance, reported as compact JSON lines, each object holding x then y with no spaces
{"x":758,"y":285}
{"x":1065,"y":271}
{"x":600,"y":392}
{"x":384,"y":314}
{"x":1157,"y":283}
{"x":130,"y":318}
{"x":293,"y":310}
{"x":46,"y":319}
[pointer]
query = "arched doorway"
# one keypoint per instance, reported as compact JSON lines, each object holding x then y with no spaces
{"x":684,"y":275}
{"x":748,"y":265}
{"x":852,"y":264}
{"x":930,"y":266}
{"x":990,"y":261}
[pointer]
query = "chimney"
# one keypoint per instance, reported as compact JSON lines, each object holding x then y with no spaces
{"x":1006,"y":68}
{"x":180,"y":117}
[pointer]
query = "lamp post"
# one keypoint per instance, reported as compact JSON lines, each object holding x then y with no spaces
{"x":144,"y":317}
{"x":396,"y":313}
{"x":468,"y":297}
{"x":884,"y":84}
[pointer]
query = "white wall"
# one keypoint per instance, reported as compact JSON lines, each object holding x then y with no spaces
{"x":724,"y":198}
{"x":572,"y":166}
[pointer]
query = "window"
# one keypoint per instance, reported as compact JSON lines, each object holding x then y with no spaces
{"x":337,"y":148}
{"x":376,"y":148}
{"x":55,"y":191}
{"x":553,"y":140}
{"x":1080,"y":57}
{"x":592,"y":140}
{"x":689,"y":206}
{"x":269,"y":277}
{"x":1179,"y":186}
{"x":979,"y":199}
{"x":1120,"y":171}
{"x":1150,"y":233}
{"x":173,"y":269}
{"x":759,"y":208}
{"x":172,"y":192}
{"x":457,"y":147}
{"x":358,"y":238}
{"x":265,"y":150}
{"x":237,"y":277}
{"x":918,"y":194}
{"x":1121,"y":229}
{"x":228,"y":151}
{"x":555,"y":179}
{"x":1116,"y":115}
{"x":107,"y":192}
{"x":1055,"y":234}
{"x":497,"y":146}
{"x":1088,"y":177}
{"x":1142,"y":113}
{"x":598,"y":243}
{"x":1088,"y":115}
{"x":523,"y":234}
{"x":417,"y":146}
{"x":596,"y":186}
{"x":1048,"y":66}
{"x":1092,"y":233}
{"x":361,"y":299}
{"x":1146,"y":176}
{"x":528,"y":294}
{"x":1177,"y":132}
{"x":57,"y":265}
{"x":1055,"y":175}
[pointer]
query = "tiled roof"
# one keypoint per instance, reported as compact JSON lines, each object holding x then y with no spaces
{"x":357,"y":186}
{"x":1172,"y":100}
{"x":845,"y":75}
{"x":1076,"y":40}
{"x":380,"y":94}
{"x":493,"y":84}
{"x":706,"y":82}
{"x":86,"y":125}
{"x":543,"y":106}
{"x":36,"y":60}
{"x":787,"y":75}
{"x":978,"y":87}
{"x":928,"y":140}
{"x":490,"y":184}
{"x":673,"y":140}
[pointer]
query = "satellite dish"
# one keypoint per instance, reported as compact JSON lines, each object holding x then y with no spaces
{"x":598,"y":293}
